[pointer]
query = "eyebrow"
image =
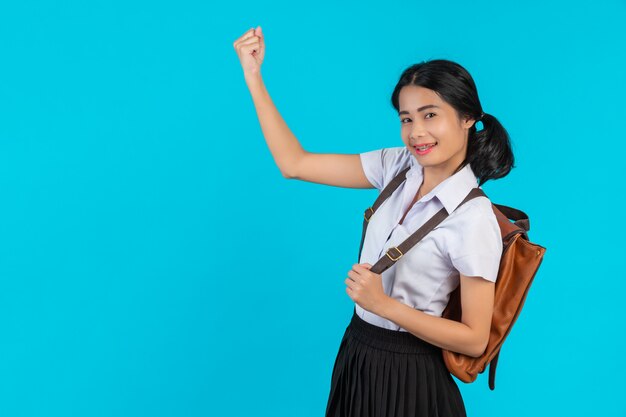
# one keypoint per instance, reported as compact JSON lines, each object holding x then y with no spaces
{"x":428,"y":106}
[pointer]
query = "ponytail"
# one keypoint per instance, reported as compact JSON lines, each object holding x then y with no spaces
{"x":489,"y":150}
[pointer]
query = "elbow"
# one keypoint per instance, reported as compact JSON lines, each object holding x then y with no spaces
{"x":287,"y":171}
{"x":290,"y":169}
{"x":287,"y":175}
{"x":290,"y":173}
{"x":479,"y":350}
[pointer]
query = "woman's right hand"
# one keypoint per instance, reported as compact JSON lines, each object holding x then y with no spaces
{"x":250,"y":48}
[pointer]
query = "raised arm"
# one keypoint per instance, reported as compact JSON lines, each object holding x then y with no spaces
{"x":340,"y":170}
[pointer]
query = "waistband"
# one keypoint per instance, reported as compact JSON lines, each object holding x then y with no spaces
{"x":387,"y":339}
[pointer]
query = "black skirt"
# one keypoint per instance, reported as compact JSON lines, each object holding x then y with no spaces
{"x":381,"y":372}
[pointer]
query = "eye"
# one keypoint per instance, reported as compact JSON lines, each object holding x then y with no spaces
{"x":402,"y":120}
{"x":430,"y":113}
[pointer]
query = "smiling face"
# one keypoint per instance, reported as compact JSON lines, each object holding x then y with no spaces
{"x":432,"y":130}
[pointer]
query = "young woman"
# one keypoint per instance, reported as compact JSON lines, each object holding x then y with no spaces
{"x":389,"y":361}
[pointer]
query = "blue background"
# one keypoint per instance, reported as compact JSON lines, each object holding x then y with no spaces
{"x":154,"y":262}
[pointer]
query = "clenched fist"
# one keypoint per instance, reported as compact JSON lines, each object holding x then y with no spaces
{"x":366,"y":288}
{"x":250,"y":48}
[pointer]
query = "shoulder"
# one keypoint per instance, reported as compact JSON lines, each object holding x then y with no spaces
{"x":479,"y":208}
{"x":476,"y":220}
{"x":474,"y":242}
{"x":382,"y":165}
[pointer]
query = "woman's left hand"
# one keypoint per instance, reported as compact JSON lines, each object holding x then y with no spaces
{"x":366,"y":288}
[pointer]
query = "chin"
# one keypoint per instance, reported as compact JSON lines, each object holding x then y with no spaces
{"x":428,"y":160}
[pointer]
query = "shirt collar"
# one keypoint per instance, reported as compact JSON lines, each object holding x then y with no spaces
{"x":451,"y":191}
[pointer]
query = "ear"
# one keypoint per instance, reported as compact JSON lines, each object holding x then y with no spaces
{"x":468,"y":122}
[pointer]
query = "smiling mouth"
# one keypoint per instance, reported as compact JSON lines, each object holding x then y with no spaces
{"x":422,"y":148}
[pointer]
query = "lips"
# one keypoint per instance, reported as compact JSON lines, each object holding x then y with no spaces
{"x":424,"y":146}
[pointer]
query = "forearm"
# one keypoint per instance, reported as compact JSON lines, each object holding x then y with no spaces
{"x":282,"y":143}
{"x":447,"y":334}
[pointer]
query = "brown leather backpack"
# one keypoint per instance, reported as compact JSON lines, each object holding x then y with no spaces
{"x":518,"y":266}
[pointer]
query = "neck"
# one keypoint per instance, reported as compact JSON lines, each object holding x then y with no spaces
{"x":433,"y":176}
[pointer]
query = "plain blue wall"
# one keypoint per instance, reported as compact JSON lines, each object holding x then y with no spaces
{"x":154,"y":262}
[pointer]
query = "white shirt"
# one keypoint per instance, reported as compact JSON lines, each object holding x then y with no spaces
{"x":468,"y":241}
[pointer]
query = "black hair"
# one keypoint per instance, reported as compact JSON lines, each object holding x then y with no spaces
{"x":489,"y":150}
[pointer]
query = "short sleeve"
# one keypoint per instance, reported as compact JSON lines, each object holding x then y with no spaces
{"x":382,"y":165}
{"x":477,"y":248}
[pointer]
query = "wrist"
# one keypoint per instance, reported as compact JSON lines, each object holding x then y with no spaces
{"x":253,"y":79}
{"x":386,"y":305}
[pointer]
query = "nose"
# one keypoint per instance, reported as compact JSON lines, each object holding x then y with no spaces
{"x":417,"y":131}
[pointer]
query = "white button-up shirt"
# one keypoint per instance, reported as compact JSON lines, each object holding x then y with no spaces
{"x":467,"y":242}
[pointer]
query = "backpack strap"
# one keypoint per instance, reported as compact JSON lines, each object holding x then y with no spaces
{"x":492,"y":371}
{"x":384,"y":194}
{"x":395,"y":253}
{"x":518,"y":216}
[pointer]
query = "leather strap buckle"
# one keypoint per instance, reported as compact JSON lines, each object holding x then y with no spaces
{"x":391,"y":257}
{"x":369,"y":211}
